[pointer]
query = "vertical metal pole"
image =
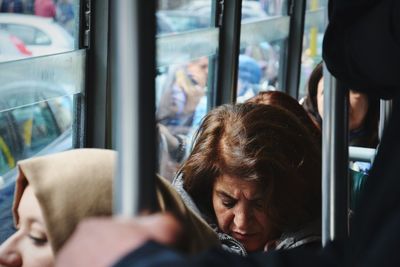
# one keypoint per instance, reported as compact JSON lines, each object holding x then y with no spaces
{"x":294,"y":48}
{"x":133,"y":88}
{"x":335,"y":183}
{"x":384,"y":114}
{"x":229,"y":45}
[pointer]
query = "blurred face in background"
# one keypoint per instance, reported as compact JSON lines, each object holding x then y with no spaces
{"x":199,"y":71}
{"x":240,"y":210}
{"x":29,"y":245}
{"x":358,"y":106}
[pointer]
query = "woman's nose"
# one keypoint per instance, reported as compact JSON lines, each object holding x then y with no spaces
{"x":9,"y":254}
{"x":242,"y":218}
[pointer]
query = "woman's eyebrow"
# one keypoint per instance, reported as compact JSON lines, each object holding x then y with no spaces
{"x":224,"y":194}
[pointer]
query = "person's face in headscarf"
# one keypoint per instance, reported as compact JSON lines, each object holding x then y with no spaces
{"x":29,"y":245}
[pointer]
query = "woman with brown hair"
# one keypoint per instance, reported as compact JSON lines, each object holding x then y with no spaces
{"x":254,"y":175}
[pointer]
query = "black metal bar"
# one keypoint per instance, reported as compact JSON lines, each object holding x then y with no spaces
{"x":229,"y":46}
{"x":294,"y":48}
{"x":133,"y":29}
{"x":95,"y":96}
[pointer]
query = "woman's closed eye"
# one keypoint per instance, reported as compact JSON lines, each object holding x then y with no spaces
{"x":228,"y":203}
{"x":38,"y":240}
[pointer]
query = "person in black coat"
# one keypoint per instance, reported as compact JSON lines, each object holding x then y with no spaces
{"x":362,"y":50}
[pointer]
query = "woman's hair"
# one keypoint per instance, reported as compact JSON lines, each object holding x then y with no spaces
{"x":258,"y":143}
{"x":310,"y":103}
{"x":285,"y":101}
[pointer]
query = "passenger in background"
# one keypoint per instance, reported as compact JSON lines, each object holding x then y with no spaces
{"x":182,"y":102}
{"x":249,"y":78}
{"x":254,"y":175}
{"x":53,"y":193}
{"x":363,"y":111}
{"x":182,"y":94}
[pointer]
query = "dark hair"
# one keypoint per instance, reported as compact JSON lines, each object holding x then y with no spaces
{"x":258,"y":143}
{"x":285,"y":101}
{"x":310,"y":102}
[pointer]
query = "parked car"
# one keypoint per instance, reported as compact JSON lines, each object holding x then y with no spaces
{"x":42,"y":36}
{"x":11,"y":47}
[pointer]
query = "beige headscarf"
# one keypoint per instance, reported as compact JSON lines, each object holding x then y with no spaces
{"x":69,"y":186}
{"x":76,"y":184}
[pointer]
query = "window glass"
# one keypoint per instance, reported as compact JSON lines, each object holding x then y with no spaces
{"x":183,"y":15}
{"x":37,"y":28}
{"x":314,"y":29}
{"x":37,"y":107}
{"x":182,"y":97}
{"x":187,"y":43}
{"x":265,"y":27}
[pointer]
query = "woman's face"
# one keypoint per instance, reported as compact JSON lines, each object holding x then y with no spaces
{"x":29,"y":246}
{"x":240,"y":209}
{"x":320,"y":98}
{"x":358,"y":106}
{"x":358,"y":109}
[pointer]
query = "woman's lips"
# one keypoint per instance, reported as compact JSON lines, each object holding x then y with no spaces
{"x":242,"y":236}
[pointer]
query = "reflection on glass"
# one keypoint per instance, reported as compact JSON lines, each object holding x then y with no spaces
{"x":182,"y":103}
{"x":179,"y":16}
{"x":258,"y":9}
{"x":312,"y":42}
{"x":258,"y":69}
{"x":43,"y":127}
{"x":35,"y":28}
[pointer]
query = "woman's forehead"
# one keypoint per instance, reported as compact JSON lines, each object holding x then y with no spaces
{"x":237,"y":186}
{"x":29,"y":208}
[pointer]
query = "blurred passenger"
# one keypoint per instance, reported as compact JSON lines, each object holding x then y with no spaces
{"x":182,"y":102}
{"x":11,"y":6}
{"x":363,"y":111}
{"x":65,"y":15}
{"x":181,"y":96}
{"x":53,"y":193}
{"x":249,"y":78}
{"x":45,"y":8}
{"x":254,"y":175}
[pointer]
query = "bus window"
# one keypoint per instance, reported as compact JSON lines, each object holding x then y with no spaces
{"x":314,"y":27}
{"x":265,"y":26}
{"x":40,"y":28}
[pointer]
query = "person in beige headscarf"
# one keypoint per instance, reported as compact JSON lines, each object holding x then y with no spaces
{"x":54,"y":193}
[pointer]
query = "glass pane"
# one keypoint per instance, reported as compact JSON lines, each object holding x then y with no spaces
{"x":41,"y":78}
{"x":252,"y":9}
{"x":183,"y":15}
{"x":36,"y":28}
{"x":182,"y":99}
{"x":314,"y":29}
{"x":183,"y":47}
{"x":36,"y":107}
{"x":262,"y":44}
